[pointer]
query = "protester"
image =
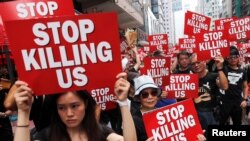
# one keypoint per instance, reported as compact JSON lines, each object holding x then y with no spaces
{"x":147,"y":93}
{"x":73,"y":116}
{"x":183,"y":63}
{"x":232,"y":99}
{"x":208,"y":87}
{"x":6,"y":133}
{"x":40,"y":111}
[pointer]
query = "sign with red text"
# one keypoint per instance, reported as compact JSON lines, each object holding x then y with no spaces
{"x":239,"y":29}
{"x":158,"y":42}
{"x":26,"y":9}
{"x":183,"y":86}
{"x":196,"y":23}
{"x":158,"y":68}
{"x":219,"y":24}
{"x":187,"y":44}
{"x":176,"y":122}
{"x":67,"y":53}
{"x":212,"y":44}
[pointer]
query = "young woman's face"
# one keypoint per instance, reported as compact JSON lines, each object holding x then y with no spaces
{"x":148,"y":98}
{"x":71,"y":109}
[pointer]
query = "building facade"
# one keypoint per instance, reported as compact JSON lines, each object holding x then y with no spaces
{"x":168,"y":15}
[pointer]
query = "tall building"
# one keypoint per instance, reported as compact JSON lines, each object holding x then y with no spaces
{"x":240,"y":8}
{"x":210,"y":8}
{"x":226,"y":9}
{"x":168,"y":16}
{"x":200,"y":6}
{"x":156,"y":6}
{"x":129,"y":12}
{"x":176,"y":5}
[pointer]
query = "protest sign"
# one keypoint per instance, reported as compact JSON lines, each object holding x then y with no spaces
{"x":187,"y":44}
{"x":196,"y":23}
{"x":183,"y":86}
{"x":2,"y":32}
{"x":219,"y":24}
{"x":67,"y":53}
{"x":26,"y":9}
{"x":238,"y":29}
{"x":158,"y":42}
{"x":212,"y":44}
{"x":158,"y":68}
{"x":173,"y":123}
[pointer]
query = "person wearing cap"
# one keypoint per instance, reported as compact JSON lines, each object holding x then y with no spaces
{"x":147,"y":93}
{"x":232,"y":99}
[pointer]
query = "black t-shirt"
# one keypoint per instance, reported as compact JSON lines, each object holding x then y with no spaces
{"x":207,"y":84}
{"x":247,"y":69}
{"x":139,"y":125}
{"x":235,"y":82}
{"x":188,"y":71}
{"x":5,"y":126}
{"x":41,"y":112}
{"x":44,"y":134}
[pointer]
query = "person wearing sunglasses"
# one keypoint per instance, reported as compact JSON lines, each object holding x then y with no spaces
{"x":232,"y":99}
{"x":148,"y":94}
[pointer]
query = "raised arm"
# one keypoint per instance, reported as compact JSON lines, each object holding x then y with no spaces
{"x":9,"y":102}
{"x":121,"y":91}
{"x":23,"y":98}
{"x":222,"y":81}
{"x":137,"y":58}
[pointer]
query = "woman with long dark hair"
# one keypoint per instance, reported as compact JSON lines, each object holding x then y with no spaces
{"x":74,"y":117}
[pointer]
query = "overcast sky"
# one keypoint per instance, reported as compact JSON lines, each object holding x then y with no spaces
{"x":179,"y":17}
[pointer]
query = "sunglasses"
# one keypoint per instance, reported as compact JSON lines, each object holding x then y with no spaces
{"x":152,"y":93}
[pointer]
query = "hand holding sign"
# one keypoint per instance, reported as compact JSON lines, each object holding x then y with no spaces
{"x":23,"y":96}
{"x":219,"y":62}
{"x":122,"y":87}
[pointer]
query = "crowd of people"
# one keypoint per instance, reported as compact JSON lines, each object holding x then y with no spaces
{"x":75,"y":116}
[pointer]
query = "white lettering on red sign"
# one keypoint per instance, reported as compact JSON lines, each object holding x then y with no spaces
{"x":177,"y":123}
{"x":31,"y":8}
{"x":102,"y":96}
{"x":83,"y":54}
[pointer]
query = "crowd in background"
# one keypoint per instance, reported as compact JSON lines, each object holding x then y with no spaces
{"x":222,"y":99}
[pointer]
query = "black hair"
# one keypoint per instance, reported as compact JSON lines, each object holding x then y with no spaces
{"x":89,"y":124}
{"x":183,"y":52}
{"x":234,"y":51}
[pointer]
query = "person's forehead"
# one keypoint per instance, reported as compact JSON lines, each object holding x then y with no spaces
{"x":194,"y":59}
{"x":183,"y":56}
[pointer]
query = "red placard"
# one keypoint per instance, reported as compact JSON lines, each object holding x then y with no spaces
{"x":219,"y":24}
{"x":196,"y":23}
{"x":158,"y":42}
{"x":2,"y":32}
{"x":158,"y":68}
{"x":67,"y":53}
{"x":212,"y":44}
{"x":173,"y":123}
{"x":172,"y":51}
{"x":183,"y":86}
{"x":187,"y":44}
{"x":238,"y":29}
{"x":26,"y":9}
{"x":244,"y":49}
